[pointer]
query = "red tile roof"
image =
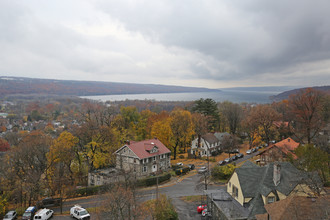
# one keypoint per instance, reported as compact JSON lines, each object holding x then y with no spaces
{"x":288,"y":144}
{"x":142,"y":148}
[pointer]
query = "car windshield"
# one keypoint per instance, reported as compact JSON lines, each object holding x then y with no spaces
{"x":83,"y":212}
{"x":27,"y":214}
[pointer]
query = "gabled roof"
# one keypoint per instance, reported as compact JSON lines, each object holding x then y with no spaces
{"x":220,"y":136}
{"x":254,"y":179}
{"x":287,"y":146}
{"x":143,"y":149}
{"x":210,"y":138}
{"x":299,"y":207}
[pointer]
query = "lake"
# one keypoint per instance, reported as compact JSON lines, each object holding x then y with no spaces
{"x":236,"y":96}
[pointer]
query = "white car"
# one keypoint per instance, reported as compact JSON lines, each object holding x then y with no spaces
{"x":79,"y":213}
{"x":43,"y":214}
{"x":249,"y":151}
{"x":179,"y":164}
{"x":202,"y":170}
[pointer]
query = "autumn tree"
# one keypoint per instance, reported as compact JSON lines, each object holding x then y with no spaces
{"x":25,"y":165}
{"x":261,"y":119}
{"x":182,"y":128}
{"x":306,"y":107}
{"x":163,"y":131}
{"x":232,"y":114}
{"x":312,"y":158}
{"x":4,"y":145}
{"x":208,"y":107}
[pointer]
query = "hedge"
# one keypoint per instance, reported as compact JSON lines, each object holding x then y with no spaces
{"x":92,"y":190}
{"x":149,"y":181}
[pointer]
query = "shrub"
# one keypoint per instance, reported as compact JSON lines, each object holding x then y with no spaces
{"x":223,"y":172}
{"x":181,"y":156}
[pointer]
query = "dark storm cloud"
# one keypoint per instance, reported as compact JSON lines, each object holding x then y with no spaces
{"x":248,"y":37}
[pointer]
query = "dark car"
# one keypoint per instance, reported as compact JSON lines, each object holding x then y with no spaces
{"x":191,"y":166}
{"x":234,"y":157}
{"x":240,"y":155}
{"x":10,"y":215}
{"x":49,"y":202}
{"x":29,"y":212}
{"x":221,"y":163}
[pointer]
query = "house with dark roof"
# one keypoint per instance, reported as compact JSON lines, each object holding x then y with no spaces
{"x":279,"y":151}
{"x":298,"y":207}
{"x":144,"y":157}
{"x":208,"y":143}
{"x":251,"y":187}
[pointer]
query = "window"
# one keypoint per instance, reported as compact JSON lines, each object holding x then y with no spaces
{"x":229,"y":184}
{"x":144,"y":169}
{"x":134,"y":160}
{"x":235,"y":192}
{"x":154,"y":158}
{"x":270,"y":199}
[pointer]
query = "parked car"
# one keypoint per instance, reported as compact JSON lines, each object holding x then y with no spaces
{"x":79,"y":213}
{"x":10,"y":215}
{"x":234,"y":157}
{"x":43,"y":214}
{"x":202,"y":170}
{"x":200,"y":208}
{"x":221,"y":163}
{"x":29,"y":213}
{"x":228,"y":160}
{"x":249,"y":151}
{"x":253,"y":150}
{"x":179,"y":164}
{"x":49,"y":202}
{"x":206,"y":213}
{"x":240,"y":155}
{"x":191,"y":166}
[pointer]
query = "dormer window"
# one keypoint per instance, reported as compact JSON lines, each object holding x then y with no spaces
{"x":154,"y":150}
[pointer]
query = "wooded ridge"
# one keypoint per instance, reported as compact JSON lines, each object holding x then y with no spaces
{"x":22,"y":85}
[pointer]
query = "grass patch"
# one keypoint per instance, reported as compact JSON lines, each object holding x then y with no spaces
{"x":196,"y":198}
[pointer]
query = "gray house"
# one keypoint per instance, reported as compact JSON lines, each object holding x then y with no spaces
{"x":144,"y":157}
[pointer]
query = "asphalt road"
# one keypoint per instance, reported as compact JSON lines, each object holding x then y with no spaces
{"x":192,"y":185}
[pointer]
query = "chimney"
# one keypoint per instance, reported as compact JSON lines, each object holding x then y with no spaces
{"x":277,"y":174}
{"x":288,"y":139}
{"x":128,"y":142}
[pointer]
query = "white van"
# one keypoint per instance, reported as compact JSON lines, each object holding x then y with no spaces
{"x":43,"y":214}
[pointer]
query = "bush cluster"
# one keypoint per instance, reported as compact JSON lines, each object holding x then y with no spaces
{"x":223,"y":172}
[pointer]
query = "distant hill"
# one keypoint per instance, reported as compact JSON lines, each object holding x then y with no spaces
{"x":286,"y":94}
{"x":21,"y":85}
{"x":261,"y":88}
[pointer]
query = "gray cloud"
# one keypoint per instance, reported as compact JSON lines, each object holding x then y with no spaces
{"x":207,"y":43}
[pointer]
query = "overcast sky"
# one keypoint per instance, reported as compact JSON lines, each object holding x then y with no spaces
{"x":204,"y":43}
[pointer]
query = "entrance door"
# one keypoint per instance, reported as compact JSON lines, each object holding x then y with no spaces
{"x":154,"y":168}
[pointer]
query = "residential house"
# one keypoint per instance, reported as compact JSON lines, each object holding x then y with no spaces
{"x":251,"y":187}
{"x":278,"y":152}
{"x":298,"y":207}
{"x":208,"y":143}
{"x":144,"y":157}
